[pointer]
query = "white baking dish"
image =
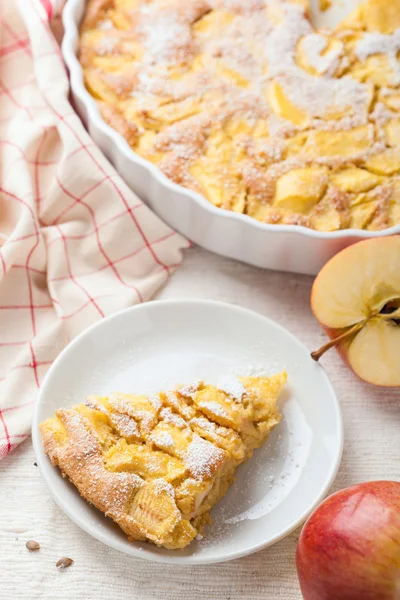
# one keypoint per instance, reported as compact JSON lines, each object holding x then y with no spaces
{"x":280,"y":247}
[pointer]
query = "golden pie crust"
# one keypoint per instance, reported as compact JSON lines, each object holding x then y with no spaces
{"x":157,"y":465}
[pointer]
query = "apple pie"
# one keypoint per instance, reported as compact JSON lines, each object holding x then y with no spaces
{"x":246,"y":103}
{"x":156,"y":465}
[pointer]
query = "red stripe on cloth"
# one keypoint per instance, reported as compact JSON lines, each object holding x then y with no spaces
{"x":78,"y":310}
{"x":83,"y":147}
{"x":84,"y":290}
{"x":31,"y":365}
{"x":18,"y":86}
{"x":36,"y":162}
{"x":90,"y":233}
{"x":45,"y":25}
{"x":34,"y":365}
{"x":26,"y":267}
{"x":36,"y":171}
{"x":17,"y":45}
{"x":35,"y":245}
{"x":116,"y":261}
{"x":18,"y":406}
{"x":75,"y":199}
{"x":16,"y":435}
{"x":27,"y":307}
{"x":96,"y":229}
{"x":3,"y":421}
{"x":22,"y":43}
{"x":48,"y":7}
{"x":8,"y":93}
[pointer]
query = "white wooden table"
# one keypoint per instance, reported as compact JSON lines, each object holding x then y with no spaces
{"x":372,"y":425}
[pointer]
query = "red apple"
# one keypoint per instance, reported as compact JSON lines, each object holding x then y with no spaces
{"x":356,"y":298}
{"x":349,"y":549}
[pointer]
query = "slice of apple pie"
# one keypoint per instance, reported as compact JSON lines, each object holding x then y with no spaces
{"x":157,"y":464}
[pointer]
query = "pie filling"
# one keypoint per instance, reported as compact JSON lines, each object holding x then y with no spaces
{"x":248,"y":104}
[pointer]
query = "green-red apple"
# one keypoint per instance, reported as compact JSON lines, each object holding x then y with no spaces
{"x":349,"y":549}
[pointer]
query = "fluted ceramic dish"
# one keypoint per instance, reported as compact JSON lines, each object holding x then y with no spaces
{"x":279,"y":247}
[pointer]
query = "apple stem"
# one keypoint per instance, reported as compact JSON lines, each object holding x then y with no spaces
{"x":353,"y":330}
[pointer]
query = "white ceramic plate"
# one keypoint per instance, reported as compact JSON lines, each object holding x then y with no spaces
{"x":163,"y":344}
{"x":280,"y":247}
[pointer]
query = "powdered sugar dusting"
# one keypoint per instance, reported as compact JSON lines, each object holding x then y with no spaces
{"x":379,"y":43}
{"x":93,"y":403}
{"x":161,"y":486}
{"x":169,"y":417}
{"x":189,"y":390}
{"x":202,"y":457}
{"x":155,"y":401}
{"x":205,"y":424}
{"x":282,"y":41}
{"x":251,"y":370}
{"x":165,"y":439}
{"x":314,"y":45}
{"x":179,"y":405}
{"x":146,"y":419}
{"x":125,"y":425}
{"x":161,"y":34}
{"x":214,"y":407}
{"x":316,"y":96}
{"x":233,"y":387}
